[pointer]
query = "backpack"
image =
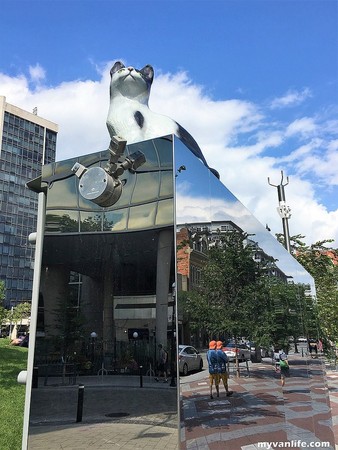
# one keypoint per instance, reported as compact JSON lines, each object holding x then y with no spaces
{"x":283,"y":364}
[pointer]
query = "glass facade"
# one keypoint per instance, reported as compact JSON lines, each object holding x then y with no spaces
{"x":25,"y":147}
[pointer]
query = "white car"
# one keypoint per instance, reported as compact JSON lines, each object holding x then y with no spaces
{"x":189,"y":359}
{"x":243,"y":352}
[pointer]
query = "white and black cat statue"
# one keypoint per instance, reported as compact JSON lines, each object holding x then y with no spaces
{"x":129,"y":115}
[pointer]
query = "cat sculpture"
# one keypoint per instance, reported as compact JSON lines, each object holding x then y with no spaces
{"x":129,"y":116}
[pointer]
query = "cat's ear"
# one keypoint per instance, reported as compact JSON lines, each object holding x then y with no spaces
{"x":148,"y":73}
{"x":117,"y":66}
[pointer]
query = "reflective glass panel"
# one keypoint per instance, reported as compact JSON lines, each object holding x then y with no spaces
{"x":105,"y":304}
{"x":230,"y":273}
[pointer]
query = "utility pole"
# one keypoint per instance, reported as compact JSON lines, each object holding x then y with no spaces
{"x":283,"y":210}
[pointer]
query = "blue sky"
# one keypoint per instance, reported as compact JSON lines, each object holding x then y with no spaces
{"x":254,"y":81}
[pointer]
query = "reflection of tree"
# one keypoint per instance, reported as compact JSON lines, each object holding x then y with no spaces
{"x":92,"y":223}
{"x":65,"y":224}
{"x":321,"y":262}
{"x":227,"y":299}
{"x":238,"y":297}
{"x":290,"y":312}
{"x":61,"y":223}
{"x":70,"y":322}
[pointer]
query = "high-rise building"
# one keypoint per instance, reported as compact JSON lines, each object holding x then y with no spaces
{"x":27,"y":141}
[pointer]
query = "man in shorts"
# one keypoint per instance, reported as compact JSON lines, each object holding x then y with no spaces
{"x":222,"y":367}
{"x":213,"y":367}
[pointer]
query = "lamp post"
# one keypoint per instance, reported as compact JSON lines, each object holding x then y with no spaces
{"x":284,"y":211}
{"x":93,"y":337}
{"x":135,"y":336}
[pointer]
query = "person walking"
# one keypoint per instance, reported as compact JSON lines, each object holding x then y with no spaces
{"x":283,"y":366}
{"x":163,"y":364}
{"x":213,"y":367}
{"x":222,"y":367}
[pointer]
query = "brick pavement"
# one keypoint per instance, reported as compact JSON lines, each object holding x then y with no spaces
{"x":260,"y":411}
{"x":148,"y":415}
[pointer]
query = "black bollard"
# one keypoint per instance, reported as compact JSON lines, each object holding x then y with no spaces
{"x":141,"y":377}
{"x":35,"y":378}
{"x":80,"y":403}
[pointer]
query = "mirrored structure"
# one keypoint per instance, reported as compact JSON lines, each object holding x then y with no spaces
{"x":106,"y":285}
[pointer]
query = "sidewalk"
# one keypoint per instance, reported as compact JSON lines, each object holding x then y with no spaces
{"x":260,"y":411}
{"x":118,"y":414}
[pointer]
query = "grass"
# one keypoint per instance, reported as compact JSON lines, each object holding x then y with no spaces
{"x":12,"y":395}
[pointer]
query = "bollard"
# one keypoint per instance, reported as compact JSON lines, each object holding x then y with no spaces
{"x":302,"y":352}
{"x":80,"y":403}
{"x":141,"y":377}
{"x":35,"y":378}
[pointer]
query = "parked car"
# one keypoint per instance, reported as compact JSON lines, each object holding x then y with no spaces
{"x":257,"y":353}
{"x":189,"y":359}
{"x":243,"y":352}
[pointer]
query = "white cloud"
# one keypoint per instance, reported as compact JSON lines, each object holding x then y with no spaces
{"x":303,"y":126}
{"x":291,"y":98}
{"x":37,"y":73}
{"x":239,"y":138}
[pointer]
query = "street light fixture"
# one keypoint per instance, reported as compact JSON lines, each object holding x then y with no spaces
{"x":93,"y":336}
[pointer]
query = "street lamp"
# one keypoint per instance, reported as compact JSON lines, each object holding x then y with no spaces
{"x":93,"y":337}
{"x":135,"y":336}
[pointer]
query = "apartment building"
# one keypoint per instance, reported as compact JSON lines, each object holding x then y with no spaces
{"x":27,"y":142}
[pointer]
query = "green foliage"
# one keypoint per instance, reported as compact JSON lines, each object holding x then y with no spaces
{"x":237,"y":297}
{"x":12,"y":395}
{"x":21,"y":311}
{"x":318,"y":260}
{"x":3,"y":315}
{"x":69,"y":325}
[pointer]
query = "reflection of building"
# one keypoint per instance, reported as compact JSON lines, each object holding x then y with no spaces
{"x":108,"y":270}
{"x":27,"y":142}
{"x":193,"y":241}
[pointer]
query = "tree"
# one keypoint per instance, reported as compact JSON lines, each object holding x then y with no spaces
{"x":238,"y":297}
{"x":21,"y":311}
{"x":227,"y":299}
{"x":321,"y":262}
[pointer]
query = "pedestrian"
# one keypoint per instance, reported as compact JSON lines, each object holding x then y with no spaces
{"x":283,"y":366}
{"x":276,"y":359}
{"x":320,"y":346}
{"x":163,"y":364}
{"x":213,"y":367}
{"x":222,"y":367}
{"x":313,"y":347}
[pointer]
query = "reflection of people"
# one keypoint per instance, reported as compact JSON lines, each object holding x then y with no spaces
{"x":276,"y":358}
{"x":163,"y":364}
{"x":213,"y":367}
{"x":222,"y":367}
{"x":283,"y":366}
{"x":320,"y":346}
{"x":313,"y":347}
